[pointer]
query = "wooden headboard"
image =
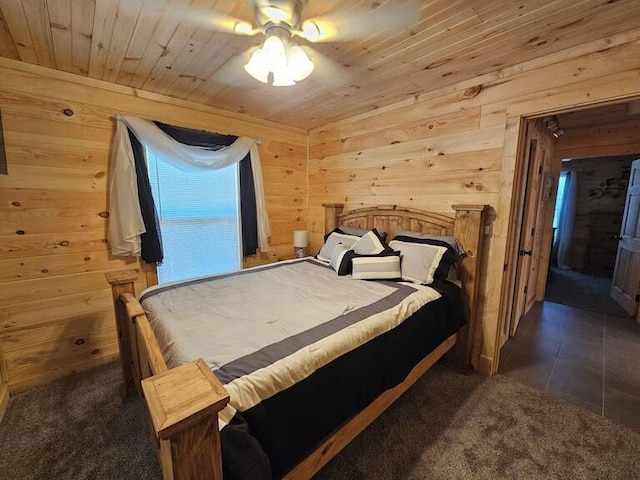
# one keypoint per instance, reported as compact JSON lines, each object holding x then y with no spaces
{"x":467,"y":226}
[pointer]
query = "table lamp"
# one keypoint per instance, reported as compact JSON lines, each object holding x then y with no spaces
{"x":300,"y":243}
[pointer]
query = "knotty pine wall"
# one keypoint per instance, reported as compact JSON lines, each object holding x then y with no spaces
{"x":601,"y":136}
{"x":458,"y":145}
{"x":56,"y":314}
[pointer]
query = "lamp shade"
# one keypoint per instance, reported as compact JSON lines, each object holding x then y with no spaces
{"x":258,"y":66}
{"x":300,"y":238}
{"x":282,"y":78}
{"x":299,"y":63}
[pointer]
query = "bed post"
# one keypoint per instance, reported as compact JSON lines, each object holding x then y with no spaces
{"x":183,"y":404}
{"x":468,"y":229}
{"x":122,"y":282}
{"x":331,"y":212}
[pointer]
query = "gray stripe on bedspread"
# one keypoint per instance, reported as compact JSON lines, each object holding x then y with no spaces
{"x":277,"y":351}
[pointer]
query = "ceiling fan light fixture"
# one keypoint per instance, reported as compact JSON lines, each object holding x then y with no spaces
{"x":299,"y":64}
{"x":288,"y":63}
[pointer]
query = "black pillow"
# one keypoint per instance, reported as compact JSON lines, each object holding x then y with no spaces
{"x":355,"y":231}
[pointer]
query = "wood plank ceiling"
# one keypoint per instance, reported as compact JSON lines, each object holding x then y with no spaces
{"x":163,"y":46}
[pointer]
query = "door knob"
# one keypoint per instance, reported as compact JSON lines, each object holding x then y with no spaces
{"x":522,"y":253}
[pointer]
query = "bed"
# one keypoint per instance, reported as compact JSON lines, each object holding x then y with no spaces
{"x":346,"y":386}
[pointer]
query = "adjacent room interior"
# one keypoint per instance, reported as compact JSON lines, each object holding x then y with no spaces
{"x":355,"y":131}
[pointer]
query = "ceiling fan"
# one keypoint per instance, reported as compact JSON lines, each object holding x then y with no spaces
{"x":284,"y":62}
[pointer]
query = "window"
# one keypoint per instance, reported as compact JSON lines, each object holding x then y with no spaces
{"x":199,"y":215}
{"x":562,"y":181}
{"x":559,"y":199}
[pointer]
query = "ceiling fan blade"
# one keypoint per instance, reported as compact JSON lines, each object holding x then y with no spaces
{"x":362,"y":21}
{"x":232,"y":72}
{"x":326,"y":71}
{"x":219,"y":21}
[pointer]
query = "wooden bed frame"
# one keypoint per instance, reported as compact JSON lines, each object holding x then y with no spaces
{"x":183,"y":402}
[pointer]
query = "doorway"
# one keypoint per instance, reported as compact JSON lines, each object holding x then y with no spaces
{"x":580,"y":355}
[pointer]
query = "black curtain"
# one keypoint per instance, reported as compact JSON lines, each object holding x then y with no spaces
{"x":152,"y":245}
{"x":151,"y":240}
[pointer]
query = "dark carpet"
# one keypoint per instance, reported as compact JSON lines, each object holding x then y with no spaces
{"x":447,"y":426}
{"x":581,"y":290}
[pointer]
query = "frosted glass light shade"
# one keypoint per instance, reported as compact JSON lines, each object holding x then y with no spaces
{"x":282,"y":78}
{"x":299,"y":63}
{"x":258,"y":66}
{"x":274,"y":51}
{"x":300,"y":238}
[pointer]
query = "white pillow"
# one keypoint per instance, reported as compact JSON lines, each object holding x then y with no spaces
{"x":419,"y":260}
{"x":368,"y":244}
{"x":334,"y":239}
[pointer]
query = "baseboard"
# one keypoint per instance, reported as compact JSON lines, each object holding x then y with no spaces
{"x":485,"y":366}
{"x":4,"y":398}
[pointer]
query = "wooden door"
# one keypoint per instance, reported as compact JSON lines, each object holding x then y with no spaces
{"x":526,"y":270}
{"x":625,"y":286}
{"x":536,"y":233}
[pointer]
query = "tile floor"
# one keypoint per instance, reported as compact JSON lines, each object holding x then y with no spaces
{"x":586,"y":358}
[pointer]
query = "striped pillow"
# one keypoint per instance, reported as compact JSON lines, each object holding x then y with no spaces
{"x":378,"y":267}
{"x":341,"y":259}
{"x":332,"y":240}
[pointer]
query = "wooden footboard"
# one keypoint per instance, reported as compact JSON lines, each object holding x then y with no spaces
{"x":183,"y":402}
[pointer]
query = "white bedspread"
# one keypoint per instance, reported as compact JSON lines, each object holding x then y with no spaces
{"x":234,"y":316}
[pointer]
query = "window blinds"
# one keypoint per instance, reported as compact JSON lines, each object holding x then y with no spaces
{"x":199,"y":219}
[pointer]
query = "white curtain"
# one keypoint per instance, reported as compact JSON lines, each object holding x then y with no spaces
{"x":125,"y":219}
{"x":567,"y":219}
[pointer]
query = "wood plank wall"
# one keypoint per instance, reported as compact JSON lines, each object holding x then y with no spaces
{"x":599,"y":212}
{"x":600,"y":136}
{"x":459,"y":145}
{"x":55,"y":305}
